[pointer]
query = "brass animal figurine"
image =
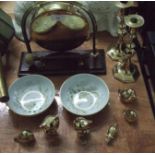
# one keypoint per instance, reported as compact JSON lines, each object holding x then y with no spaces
{"x":111,"y":133}
{"x":82,"y":125}
{"x":127,"y":95}
{"x":25,"y":137}
{"x":130,"y":116}
{"x":50,"y":124}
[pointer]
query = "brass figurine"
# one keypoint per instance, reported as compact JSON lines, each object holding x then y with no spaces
{"x":111,"y":133}
{"x":82,"y":126}
{"x":25,"y":137}
{"x":125,"y":71}
{"x":50,"y":124}
{"x":127,"y":95}
{"x":116,"y":52}
{"x":130,"y":116}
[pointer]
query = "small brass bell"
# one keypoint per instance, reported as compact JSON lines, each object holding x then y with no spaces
{"x":82,"y":125}
{"x":111,"y":133}
{"x":50,"y":124}
{"x":25,"y":137}
{"x":130,"y":116}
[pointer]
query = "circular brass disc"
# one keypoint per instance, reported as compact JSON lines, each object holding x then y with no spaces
{"x":123,"y":5}
{"x":134,"y":21}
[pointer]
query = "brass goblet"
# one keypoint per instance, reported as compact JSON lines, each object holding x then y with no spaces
{"x":115,"y":53}
{"x":125,"y":70}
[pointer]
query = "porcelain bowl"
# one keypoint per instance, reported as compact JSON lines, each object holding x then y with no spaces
{"x":31,"y":95}
{"x":84,"y":94}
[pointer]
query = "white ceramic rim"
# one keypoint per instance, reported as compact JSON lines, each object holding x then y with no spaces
{"x":87,"y":74}
{"x":52,"y":99}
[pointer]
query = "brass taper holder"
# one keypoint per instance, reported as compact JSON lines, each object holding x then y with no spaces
{"x":116,"y":52}
{"x":125,"y":70}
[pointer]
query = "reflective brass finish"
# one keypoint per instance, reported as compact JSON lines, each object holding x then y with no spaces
{"x":50,"y":124}
{"x":82,"y":126}
{"x":125,"y":70}
{"x":116,"y":52}
{"x":111,"y":133}
{"x":124,"y":4}
{"x":130,"y":116}
{"x":134,"y":21}
{"x":127,"y":95}
{"x":3,"y":88}
{"x":25,"y":137}
{"x":126,"y":74}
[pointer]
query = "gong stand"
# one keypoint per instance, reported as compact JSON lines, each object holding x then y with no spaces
{"x":60,"y":63}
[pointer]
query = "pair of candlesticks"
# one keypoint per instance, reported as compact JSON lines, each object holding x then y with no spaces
{"x":125,"y":71}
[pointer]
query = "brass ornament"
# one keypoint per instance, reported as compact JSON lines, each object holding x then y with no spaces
{"x":124,"y":4}
{"x":116,"y":52}
{"x":82,"y":126}
{"x":50,"y":124}
{"x":25,"y":137}
{"x":111,"y":133}
{"x":127,"y":95}
{"x":134,"y":21}
{"x":130,"y":116}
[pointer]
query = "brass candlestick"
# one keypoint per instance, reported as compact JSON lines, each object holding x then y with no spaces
{"x":116,"y":52}
{"x":125,"y":70}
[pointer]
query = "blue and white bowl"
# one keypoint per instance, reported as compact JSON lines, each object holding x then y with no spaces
{"x":84,"y":94}
{"x":31,"y":95}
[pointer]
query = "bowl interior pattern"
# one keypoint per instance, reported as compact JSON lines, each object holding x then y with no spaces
{"x":31,"y":95}
{"x":84,"y":94}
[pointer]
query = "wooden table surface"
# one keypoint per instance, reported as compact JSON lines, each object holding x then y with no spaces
{"x":131,"y":138}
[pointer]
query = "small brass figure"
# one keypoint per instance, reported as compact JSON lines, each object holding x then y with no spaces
{"x":127,"y":95}
{"x":50,"y":124}
{"x":82,"y":126}
{"x":25,"y":137}
{"x":130,"y":116}
{"x":111,"y":133}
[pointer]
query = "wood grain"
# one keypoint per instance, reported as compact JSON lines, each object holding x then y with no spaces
{"x":137,"y":138}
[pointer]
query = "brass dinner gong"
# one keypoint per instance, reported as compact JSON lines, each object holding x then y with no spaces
{"x":60,"y":27}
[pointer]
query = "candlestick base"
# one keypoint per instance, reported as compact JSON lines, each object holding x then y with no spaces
{"x":125,"y":76}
